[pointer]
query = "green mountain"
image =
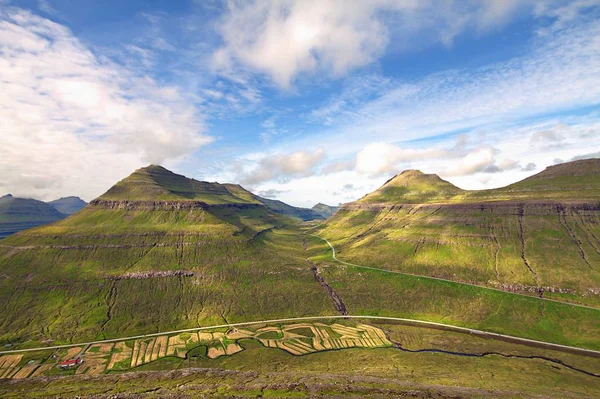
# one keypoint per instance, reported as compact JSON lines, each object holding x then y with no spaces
{"x":277,"y":206}
{"x":23,"y":213}
{"x":155,"y":183}
{"x":325,"y":210}
{"x":68,"y":205}
{"x":157,"y":250}
{"x":571,"y":181}
{"x":413,"y":186}
{"x":539,"y":235}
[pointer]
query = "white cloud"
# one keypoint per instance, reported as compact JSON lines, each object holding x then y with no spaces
{"x":285,"y":38}
{"x":563,"y":13}
{"x":282,"y":166}
{"x":378,"y":158}
{"x":560,"y":73}
{"x":69,"y":112}
{"x":45,"y":6}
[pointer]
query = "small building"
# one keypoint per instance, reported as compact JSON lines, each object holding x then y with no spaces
{"x":67,"y":364}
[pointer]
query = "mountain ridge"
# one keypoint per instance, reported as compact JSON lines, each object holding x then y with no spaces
{"x":569,"y":181}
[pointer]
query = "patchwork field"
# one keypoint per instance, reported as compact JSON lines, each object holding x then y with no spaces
{"x":296,"y":339}
{"x":303,"y":358}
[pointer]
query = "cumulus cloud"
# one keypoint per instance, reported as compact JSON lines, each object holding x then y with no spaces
{"x":285,"y":38}
{"x":460,"y":158}
{"x":560,"y":72}
{"x":378,"y":158}
{"x":271,"y":193}
{"x":67,"y":111}
{"x":283,"y":166}
{"x":586,"y":156}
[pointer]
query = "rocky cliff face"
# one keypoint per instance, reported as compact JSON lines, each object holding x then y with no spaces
{"x":167,"y":205}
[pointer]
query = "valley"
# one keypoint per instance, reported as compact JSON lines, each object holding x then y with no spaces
{"x":164,"y":274}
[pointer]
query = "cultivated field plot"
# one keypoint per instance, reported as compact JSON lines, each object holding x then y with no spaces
{"x":296,"y":339}
{"x":31,"y":364}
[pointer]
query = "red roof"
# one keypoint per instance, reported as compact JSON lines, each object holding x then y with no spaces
{"x":71,"y":362}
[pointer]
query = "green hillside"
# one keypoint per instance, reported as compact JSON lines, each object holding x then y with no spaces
{"x":128,"y":263}
{"x":275,"y":205}
{"x":571,"y":181}
{"x":155,"y":183}
{"x":125,"y":266}
{"x":413,"y":186}
{"x":539,"y":236}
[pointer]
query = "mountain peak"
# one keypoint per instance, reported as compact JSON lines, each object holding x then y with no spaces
{"x":7,"y":196}
{"x":583,"y":167}
{"x":414,"y":176}
{"x":412,"y":186}
{"x":68,"y":205}
{"x":156,"y":183}
{"x":154,"y":168}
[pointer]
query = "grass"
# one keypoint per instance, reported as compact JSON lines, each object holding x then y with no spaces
{"x":64,"y":294}
{"x":71,"y":282}
{"x":477,"y":244}
{"x":384,"y":371}
{"x":571,"y":181}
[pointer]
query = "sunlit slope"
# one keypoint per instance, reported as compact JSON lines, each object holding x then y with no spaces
{"x":571,"y":181}
{"x":155,"y":183}
{"x":539,"y":236}
{"x":125,"y":266}
{"x":413,"y":186}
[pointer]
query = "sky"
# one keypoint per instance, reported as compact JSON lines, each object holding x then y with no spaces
{"x":303,"y":101}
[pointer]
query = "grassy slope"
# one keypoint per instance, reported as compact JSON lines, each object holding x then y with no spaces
{"x":58,"y":281}
{"x":274,"y":205}
{"x":571,"y":181}
{"x":63,"y":293}
{"x":387,"y":371}
{"x":155,"y":183}
{"x":470,"y":306}
{"x":481,"y":243}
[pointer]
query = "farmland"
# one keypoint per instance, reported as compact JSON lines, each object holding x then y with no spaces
{"x":392,"y":356}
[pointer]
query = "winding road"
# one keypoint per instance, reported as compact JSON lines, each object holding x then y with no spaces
{"x":486,"y":334}
{"x":334,"y":257}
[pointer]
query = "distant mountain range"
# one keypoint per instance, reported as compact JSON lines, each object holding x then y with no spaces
{"x":147,"y":184}
{"x":68,"y":205}
{"x":325,"y":210}
{"x":18,"y":214}
{"x":155,"y":183}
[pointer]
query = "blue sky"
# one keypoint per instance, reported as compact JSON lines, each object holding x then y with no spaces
{"x":303,"y":101}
